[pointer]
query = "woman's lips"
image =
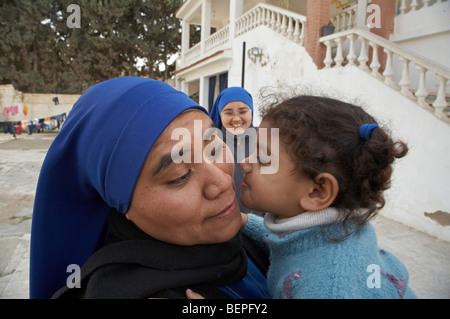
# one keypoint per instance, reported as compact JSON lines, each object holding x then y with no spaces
{"x":227,"y":211}
{"x":244,"y":185}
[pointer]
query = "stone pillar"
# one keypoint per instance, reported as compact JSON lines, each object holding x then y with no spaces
{"x":317,"y":16}
{"x":203,"y":92}
{"x":185,"y":37}
{"x":236,"y":10}
{"x":184,"y":87}
{"x":385,"y":11}
{"x":361,"y":18}
{"x":206,"y":23}
{"x":387,"y":15}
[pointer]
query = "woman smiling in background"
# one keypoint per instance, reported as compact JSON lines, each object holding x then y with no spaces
{"x":232,"y":113}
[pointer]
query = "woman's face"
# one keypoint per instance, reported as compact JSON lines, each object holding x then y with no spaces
{"x":236,"y":117}
{"x":186,"y":203}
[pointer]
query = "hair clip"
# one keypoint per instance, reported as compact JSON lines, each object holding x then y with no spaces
{"x":366,"y":130}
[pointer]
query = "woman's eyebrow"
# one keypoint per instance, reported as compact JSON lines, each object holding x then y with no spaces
{"x":239,"y":109}
{"x":163,"y":164}
{"x":166,"y":160}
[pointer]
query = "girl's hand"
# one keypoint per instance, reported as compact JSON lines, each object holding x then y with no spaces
{"x":193,"y":295}
{"x":244,"y":219}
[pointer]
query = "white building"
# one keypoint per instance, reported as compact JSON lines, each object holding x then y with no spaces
{"x":391,"y":56}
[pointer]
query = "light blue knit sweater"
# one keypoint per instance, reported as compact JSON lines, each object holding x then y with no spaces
{"x":306,"y":264}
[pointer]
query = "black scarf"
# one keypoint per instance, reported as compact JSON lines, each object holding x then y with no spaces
{"x":135,"y":265}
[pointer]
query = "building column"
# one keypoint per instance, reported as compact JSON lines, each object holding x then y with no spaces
{"x":317,"y":16}
{"x":206,"y":23}
{"x":184,"y":87}
{"x":203,"y":92}
{"x":387,"y":15}
{"x":361,"y":16}
{"x":184,"y":39}
{"x":236,"y":10}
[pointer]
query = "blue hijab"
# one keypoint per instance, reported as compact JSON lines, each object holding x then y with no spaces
{"x":226,"y":96}
{"x":91,"y":167}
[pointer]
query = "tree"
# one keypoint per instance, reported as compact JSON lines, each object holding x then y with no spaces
{"x":161,"y":36}
{"x":26,"y":56}
{"x":112,"y":36}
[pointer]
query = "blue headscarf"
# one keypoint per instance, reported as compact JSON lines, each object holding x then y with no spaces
{"x":226,"y":96}
{"x":91,"y":167}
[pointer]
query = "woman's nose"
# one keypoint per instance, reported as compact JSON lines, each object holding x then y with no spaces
{"x":236,"y":117}
{"x":218,"y":179}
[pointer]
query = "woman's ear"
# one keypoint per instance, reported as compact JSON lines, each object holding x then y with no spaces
{"x":322,"y":194}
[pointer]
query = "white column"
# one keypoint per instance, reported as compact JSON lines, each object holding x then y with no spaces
{"x":236,"y":10}
{"x":361,"y":15}
{"x":206,"y":23}
{"x":203,"y":92}
{"x":184,"y":87}
{"x":184,"y":39}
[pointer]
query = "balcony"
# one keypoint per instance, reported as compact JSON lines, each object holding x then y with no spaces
{"x":288,"y":23}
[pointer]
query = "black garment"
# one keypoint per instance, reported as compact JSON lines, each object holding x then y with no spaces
{"x":135,"y":265}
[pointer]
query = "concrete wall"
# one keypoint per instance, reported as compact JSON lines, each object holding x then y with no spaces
{"x":18,"y":106}
{"x":426,"y":32}
{"x":41,"y":104}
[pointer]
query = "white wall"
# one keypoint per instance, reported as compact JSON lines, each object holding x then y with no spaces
{"x":285,"y":61}
{"x":426,"y":32}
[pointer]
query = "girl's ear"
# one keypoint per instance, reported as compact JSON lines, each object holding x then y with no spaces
{"x":322,"y":194}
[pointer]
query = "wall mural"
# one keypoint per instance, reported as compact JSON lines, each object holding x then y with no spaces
{"x":10,"y":110}
{"x":343,"y":3}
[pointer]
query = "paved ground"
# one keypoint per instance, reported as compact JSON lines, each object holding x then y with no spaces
{"x":427,"y":259}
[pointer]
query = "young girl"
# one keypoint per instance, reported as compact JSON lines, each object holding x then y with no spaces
{"x":334,"y":164}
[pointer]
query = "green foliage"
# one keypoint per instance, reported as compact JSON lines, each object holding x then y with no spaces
{"x":40,"y":53}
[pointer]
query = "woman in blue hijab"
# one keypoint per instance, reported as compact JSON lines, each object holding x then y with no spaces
{"x":232,"y":112}
{"x":111,"y":199}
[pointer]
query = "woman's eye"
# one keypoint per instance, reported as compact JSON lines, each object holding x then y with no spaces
{"x":181,"y":179}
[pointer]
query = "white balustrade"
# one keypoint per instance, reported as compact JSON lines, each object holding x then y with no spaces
{"x":192,"y":54}
{"x":287,"y":23}
{"x":345,"y":19}
{"x":415,"y":88}
{"x":217,"y":39}
{"x":407,"y":6}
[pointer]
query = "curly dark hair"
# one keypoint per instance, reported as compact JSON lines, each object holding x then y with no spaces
{"x":322,"y":135}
